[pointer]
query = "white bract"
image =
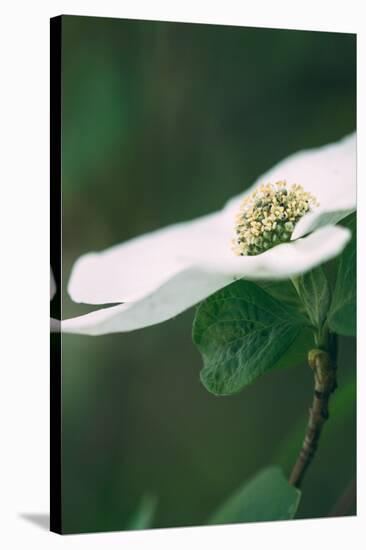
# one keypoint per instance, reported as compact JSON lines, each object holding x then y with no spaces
{"x":156,"y":276}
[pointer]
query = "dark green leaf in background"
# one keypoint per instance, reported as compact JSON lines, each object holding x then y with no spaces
{"x":242,"y":332}
{"x":267,"y":497}
{"x":342,"y":314}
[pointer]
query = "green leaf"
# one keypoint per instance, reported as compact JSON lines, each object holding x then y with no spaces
{"x":242,"y":332}
{"x":314,"y":292}
{"x":267,"y":497}
{"x":144,"y":515}
{"x":297,"y":353}
{"x":342,"y":314}
{"x":284,"y":291}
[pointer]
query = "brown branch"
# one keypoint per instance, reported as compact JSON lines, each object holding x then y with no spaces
{"x":325,"y":383}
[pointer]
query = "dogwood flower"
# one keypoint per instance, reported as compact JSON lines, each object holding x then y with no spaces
{"x":284,"y":225}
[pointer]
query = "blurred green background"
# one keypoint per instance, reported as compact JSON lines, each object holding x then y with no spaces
{"x":163,"y":122}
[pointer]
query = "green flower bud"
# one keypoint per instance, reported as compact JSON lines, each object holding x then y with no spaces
{"x":259,"y":241}
{"x":279,"y":229}
{"x":289,"y":226}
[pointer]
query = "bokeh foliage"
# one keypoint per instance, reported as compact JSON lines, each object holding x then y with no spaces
{"x":164,"y":122}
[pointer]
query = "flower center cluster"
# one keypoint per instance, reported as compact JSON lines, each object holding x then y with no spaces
{"x":268,"y":216}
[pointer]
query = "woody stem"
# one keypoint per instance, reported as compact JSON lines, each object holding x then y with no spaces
{"x":323,"y":365}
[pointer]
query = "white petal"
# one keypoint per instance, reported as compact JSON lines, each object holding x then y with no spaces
{"x":285,"y":260}
{"x":196,"y":283}
{"x":328,"y":172}
{"x":177,"y":294}
{"x":131,"y":270}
